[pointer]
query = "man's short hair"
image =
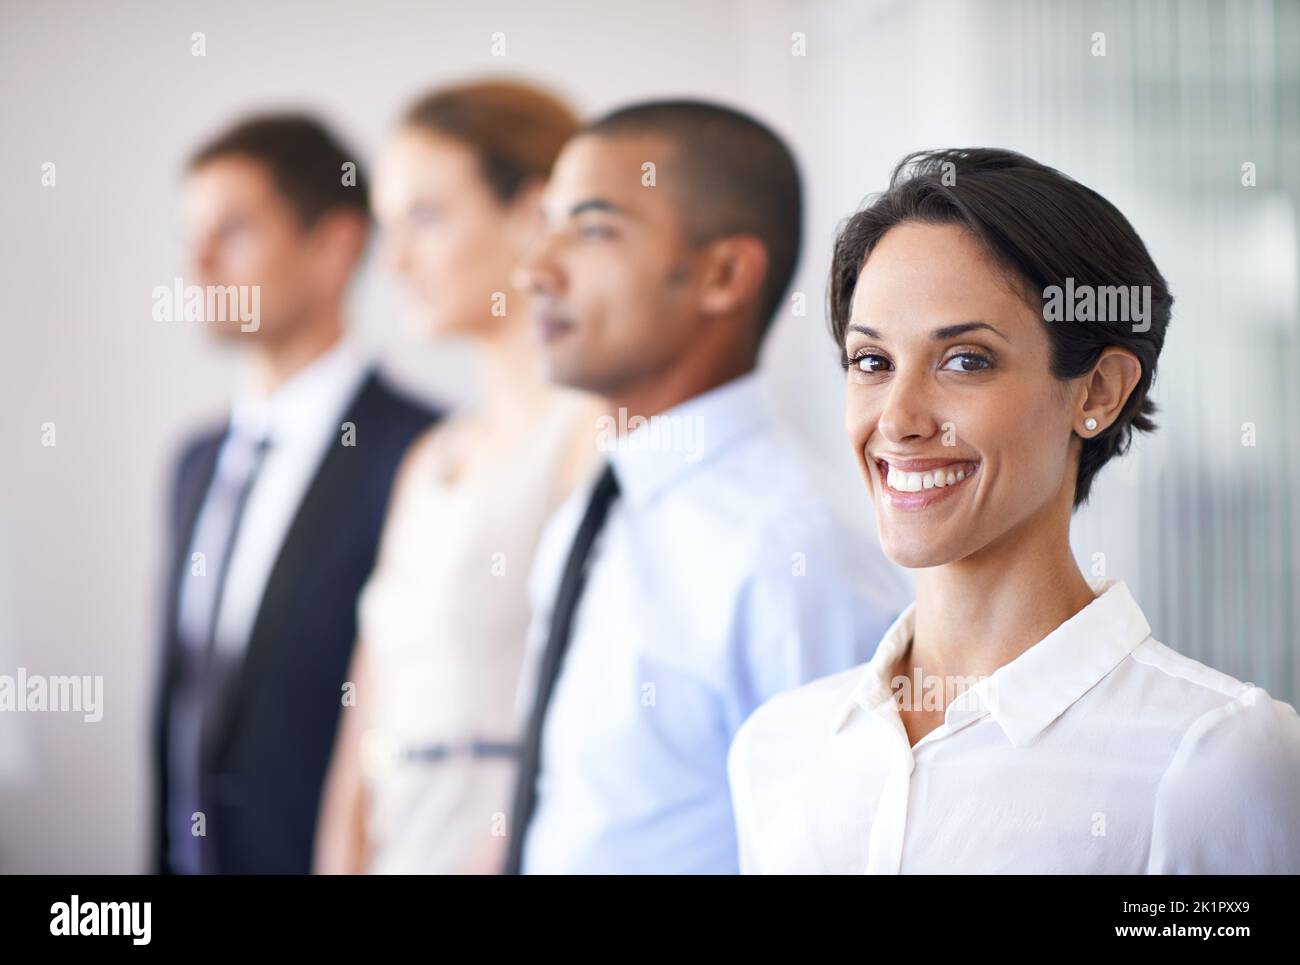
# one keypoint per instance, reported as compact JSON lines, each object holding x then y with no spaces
{"x":730,"y":174}
{"x":305,"y":160}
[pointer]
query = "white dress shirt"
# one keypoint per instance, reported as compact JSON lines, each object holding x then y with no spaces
{"x":301,"y":419}
{"x":719,"y":579}
{"x":1097,"y":750}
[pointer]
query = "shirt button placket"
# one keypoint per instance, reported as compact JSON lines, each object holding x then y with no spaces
{"x":890,"y":824}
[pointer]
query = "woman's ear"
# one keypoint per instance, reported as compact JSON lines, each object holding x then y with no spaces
{"x":1106,"y":389}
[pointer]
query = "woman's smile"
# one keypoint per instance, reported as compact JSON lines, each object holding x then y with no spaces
{"x":920,"y":483}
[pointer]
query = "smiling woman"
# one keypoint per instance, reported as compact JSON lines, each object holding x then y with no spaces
{"x":1040,"y":231}
{"x":1077,"y":742}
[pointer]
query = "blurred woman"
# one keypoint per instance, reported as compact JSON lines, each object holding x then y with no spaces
{"x":1000,"y":325}
{"x":424,"y":760}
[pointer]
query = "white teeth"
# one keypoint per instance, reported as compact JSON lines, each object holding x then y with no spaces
{"x":915,"y":482}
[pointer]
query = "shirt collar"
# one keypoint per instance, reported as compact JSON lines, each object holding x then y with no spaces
{"x":1031,"y":691}
{"x":872,"y":689}
{"x":296,"y":410}
{"x":649,"y":455}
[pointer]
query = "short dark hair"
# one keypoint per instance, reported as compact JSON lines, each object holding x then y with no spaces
{"x":305,"y":161}
{"x":1043,"y":228}
{"x":738,"y":175}
{"x":516,"y":129}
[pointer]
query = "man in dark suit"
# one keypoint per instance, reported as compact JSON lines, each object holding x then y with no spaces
{"x":276,"y":513}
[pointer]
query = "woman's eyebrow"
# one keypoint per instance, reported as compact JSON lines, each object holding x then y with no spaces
{"x":952,"y":331}
{"x":868,"y":332}
{"x":939,"y":334}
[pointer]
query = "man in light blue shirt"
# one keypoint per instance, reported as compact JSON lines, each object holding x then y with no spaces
{"x":700,"y":573}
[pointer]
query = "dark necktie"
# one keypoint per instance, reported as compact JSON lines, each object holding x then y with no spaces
{"x":566,"y":603}
{"x":200,"y":671}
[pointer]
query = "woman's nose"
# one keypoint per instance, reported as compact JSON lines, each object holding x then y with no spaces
{"x":908,"y":414}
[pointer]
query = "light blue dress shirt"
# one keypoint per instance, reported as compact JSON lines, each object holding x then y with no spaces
{"x":720,"y":579}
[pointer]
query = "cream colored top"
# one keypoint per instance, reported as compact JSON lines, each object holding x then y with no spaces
{"x":443,"y":619}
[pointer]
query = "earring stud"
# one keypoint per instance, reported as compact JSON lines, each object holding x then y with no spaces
{"x":1090,"y":423}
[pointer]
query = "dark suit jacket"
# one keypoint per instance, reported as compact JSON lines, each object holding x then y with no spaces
{"x":264,"y":761}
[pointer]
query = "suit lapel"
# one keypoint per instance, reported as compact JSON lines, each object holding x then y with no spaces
{"x":324,"y":507}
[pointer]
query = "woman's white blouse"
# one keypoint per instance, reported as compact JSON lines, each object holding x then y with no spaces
{"x":1097,"y":750}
